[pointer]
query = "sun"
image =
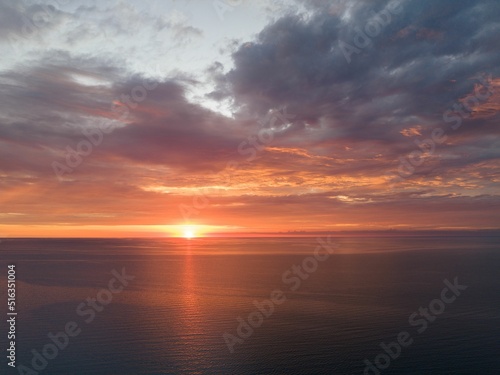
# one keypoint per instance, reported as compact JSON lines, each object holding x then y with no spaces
{"x":188,"y":232}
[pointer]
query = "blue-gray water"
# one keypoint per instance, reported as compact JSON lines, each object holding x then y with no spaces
{"x":186,"y":293}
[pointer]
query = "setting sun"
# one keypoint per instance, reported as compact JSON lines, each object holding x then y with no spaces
{"x":188,"y":232}
{"x":193,"y":230}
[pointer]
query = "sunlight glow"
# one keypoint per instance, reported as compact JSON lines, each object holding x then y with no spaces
{"x":188,"y":232}
{"x":196,"y":230}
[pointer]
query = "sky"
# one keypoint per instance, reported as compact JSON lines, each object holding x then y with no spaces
{"x":159,"y":118}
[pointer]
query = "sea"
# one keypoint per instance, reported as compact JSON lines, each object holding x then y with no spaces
{"x":252,"y":306}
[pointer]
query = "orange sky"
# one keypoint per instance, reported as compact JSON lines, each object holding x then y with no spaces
{"x":277,"y":131}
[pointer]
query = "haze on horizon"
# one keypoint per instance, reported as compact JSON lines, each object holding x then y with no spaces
{"x":242,"y":116}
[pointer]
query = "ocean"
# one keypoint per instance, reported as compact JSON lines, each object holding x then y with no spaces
{"x":253,"y":306}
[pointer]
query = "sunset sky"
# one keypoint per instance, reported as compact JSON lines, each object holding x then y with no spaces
{"x":248,"y":116}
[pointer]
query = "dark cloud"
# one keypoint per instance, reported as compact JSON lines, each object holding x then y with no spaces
{"x":427,"y":57}
{"x":46,"y":108}
{"x":297,"y":61}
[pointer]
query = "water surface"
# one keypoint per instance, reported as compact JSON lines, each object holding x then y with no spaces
{"x":187,"y":293}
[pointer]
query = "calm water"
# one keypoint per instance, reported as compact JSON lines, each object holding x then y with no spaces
{"x":187,"y":293}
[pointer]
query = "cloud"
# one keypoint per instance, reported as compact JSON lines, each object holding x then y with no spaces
{"x":425,"y":59}
{"x":21,"y":22}
{"x":47,"y":106}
